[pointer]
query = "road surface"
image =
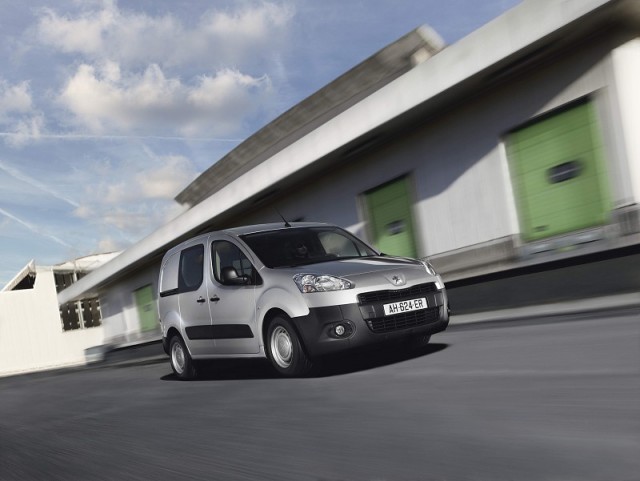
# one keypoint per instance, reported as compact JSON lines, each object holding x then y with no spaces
{"x":554,"y":399}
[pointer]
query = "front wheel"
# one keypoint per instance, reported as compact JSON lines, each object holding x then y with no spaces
{"x":181,"y":361}
{"x":285,"y":349}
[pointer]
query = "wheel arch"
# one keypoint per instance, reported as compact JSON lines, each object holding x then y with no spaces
{"x":279,"y":301}
{"x":171,"y":320}
{"x":268,"y":318}
{"x":173,"y":331}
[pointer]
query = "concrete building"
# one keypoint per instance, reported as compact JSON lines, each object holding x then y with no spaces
{"x":37,"y":334}
{"x":514,"y":146}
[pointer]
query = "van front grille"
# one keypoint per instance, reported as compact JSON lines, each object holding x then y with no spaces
{"x":396,"y":294}
{"x":404,"y":320}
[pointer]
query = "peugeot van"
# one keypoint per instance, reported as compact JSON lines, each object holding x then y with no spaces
{"x":291,"y":293}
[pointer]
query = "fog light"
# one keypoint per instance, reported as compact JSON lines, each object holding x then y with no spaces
{"x":342,"y":329}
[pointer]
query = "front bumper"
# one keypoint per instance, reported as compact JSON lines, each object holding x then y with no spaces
{"x":366,"y":325}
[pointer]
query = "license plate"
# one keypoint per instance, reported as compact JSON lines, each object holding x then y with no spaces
{"x":405,"y":306}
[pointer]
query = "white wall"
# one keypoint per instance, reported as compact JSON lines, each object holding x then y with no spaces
{"x":626,"y":69}
{"x":119,"y":311}
{"x":31,"y":335}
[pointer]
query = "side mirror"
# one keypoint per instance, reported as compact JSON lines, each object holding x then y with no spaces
{"x":230,"y":276}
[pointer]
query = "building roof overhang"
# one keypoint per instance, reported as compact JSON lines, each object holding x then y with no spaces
{"x":524,"y":34}
{"x":28,"y":270}
{"x":356,"y":84}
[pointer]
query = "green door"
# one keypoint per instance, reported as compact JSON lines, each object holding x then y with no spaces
{"x":559,"y":174}
{"x":389,"y":210}
{"x":146,"y":309}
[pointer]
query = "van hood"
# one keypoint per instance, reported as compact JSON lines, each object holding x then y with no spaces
{"x":349,"y":268}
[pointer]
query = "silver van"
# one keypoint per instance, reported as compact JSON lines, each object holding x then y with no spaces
{"x":291,"y":293}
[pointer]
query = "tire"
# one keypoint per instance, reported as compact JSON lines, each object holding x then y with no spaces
{"x":285,"y":349}
{"x":181,"y":362}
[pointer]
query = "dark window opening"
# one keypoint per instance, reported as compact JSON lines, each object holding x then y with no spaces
{"x":299,"y":246}
{"x":224,"y":255}
{"x":82,"y":314}
{"x":191,"y":268}
{"x":26,"y":283}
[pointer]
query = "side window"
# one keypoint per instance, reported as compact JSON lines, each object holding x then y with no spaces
{"x":169,"y":276}
{"x":191,"y":268}
{"x":225,"y":254}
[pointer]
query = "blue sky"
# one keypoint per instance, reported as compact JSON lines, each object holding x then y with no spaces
{"x":108,"y":109}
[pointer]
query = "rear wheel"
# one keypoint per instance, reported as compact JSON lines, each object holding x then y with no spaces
{"x":181,"y":362}
{"x":285,"y":349}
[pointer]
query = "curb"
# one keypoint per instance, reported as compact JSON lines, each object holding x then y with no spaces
{"x":114,"y":355}
{"x":555,"y":309}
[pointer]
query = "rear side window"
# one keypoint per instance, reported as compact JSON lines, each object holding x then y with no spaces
{"x":191,"y":268}
{"x":169,"y":277}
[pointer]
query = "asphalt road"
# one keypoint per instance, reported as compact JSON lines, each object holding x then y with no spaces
{"x":551,"y":400}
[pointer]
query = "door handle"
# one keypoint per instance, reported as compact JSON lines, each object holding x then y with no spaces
{"x":214,"y":298}
{"x":200,"y":300}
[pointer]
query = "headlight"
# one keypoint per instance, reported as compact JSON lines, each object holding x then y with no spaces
{"x":430,"y":269}
{"x":321,"y":283}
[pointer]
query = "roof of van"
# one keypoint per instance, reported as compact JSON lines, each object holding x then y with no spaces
{"x":248,"y":229}
{"x":252,"y":229}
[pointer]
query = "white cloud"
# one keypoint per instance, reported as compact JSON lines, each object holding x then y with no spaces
{"x":109,"y":245}
{"x":119,"y":194}
{"x":83,"y":212}
{"x":20,"y":123}
{"x":14,"y":98}
{"x":26,"y":130}
{"x":130,"y":219}
{"x":126,"y":219}
{"x":238,"y":34}
{"x":162,"y":181}
{"x":106,"y":100}
{"x":134,"y":39}
{"x":164,"y":75}
{"x":135,"y":197}
{"x":82,"y":34}
{"x":165,"y":181}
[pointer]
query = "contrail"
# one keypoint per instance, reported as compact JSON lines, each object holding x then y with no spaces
{"x":34,"y":229}
{"x":117,"y":137}
{"x":16,"y":174}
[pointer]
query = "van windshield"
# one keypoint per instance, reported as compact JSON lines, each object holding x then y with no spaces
{"x":297,"y":246}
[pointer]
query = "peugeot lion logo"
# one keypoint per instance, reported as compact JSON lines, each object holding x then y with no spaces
{"x":398,"y":281}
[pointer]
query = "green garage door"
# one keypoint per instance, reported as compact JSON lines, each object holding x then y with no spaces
{"x":146,"y":309}
{"x":389,"y":210}
{"x":559,"y":174}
